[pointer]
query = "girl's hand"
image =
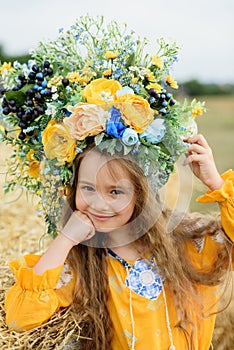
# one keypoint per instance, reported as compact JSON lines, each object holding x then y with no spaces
{"x":78,"y":228}
{"x":201,"y":161}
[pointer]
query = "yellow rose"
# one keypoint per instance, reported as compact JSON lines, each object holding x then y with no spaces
{"x":34,"y":165}
{"x":86,"y":120}
{"x":58,"y":143}
{"x":101,"y":91}
{"x":135,"y":111}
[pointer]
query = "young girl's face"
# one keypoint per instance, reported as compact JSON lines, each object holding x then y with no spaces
{"x":105,"y":194}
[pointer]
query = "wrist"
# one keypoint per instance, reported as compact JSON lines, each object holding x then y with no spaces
{"x":216,"y":184}
{"x":65,"y":241}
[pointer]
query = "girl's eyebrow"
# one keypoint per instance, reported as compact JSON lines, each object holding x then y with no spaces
{"x":85,"y":182}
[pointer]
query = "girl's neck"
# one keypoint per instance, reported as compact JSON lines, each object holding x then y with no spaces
{"x":127,"y":252}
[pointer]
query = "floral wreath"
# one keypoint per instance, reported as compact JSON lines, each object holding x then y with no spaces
{"x":94,"y":83}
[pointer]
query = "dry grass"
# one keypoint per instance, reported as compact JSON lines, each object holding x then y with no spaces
{"x":21,"y":230}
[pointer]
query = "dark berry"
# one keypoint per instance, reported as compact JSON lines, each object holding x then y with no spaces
{"x":172,"y":102}
{"x":4,"y":102}
{"x":49,"y":71}
{"x":39,"y":98}
{"x":6,"y":110}
{"x":31,"y":81}
{"x":29,"y":103}
{"x":13,"y":109}
{"x":151,"y":100}
{"x":154,"y":94}
{"x":22,"y":125}
{"x":20,"y":109}
{"x":30,"y":133}
{"x":65,"y":82}
{"x":22,"y":135}
{"x":168,"y":96}
{"x":30,"y":93}
{"x":21,"y":77}
{"x":29,"y":112}
{"x":2,"y":90}
{"x":39,"y":109}
{"x":45,"y":72}
{"x":19,"y":114}
{"x":48,"y":93}
{"x":46,"y":64}
{"x":25,"y":118}
{"x":32,"y":75}
{"x":35,"y":114}
{"x":11,"y":102}
{"x":35,"y":68}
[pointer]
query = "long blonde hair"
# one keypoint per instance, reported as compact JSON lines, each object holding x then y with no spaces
{"x":169,"y":250}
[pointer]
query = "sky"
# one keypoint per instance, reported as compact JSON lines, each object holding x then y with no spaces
{"x":202,"y":28}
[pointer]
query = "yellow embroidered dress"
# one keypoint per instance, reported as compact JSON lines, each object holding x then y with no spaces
{"x":35,"y":298}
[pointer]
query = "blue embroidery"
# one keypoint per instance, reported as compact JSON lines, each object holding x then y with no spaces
{"x":144,"y":279}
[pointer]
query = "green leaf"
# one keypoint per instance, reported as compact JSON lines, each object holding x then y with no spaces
{"x":18,"y":96}
{"x":98,"y":138}
{"x":131,"y":60}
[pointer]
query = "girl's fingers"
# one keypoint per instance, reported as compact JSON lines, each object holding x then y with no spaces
{"x":194,"y":147}
{"x":198,"y":139}
{"x":193,"y":158}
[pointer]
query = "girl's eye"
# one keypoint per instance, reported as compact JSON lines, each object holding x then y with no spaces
{"x":116,"y":192}
{"x":88,"y":188}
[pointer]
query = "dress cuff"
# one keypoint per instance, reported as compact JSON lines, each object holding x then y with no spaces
{"x":26,"y":277}
{"x":224,"y":193}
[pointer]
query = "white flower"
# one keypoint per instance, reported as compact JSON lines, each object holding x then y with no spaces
{"x":130,"y":137}
{"x":106,"y":96}
{"x":125,"y":90}
{"x":155,"y":131}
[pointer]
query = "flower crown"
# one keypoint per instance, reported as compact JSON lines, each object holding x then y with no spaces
{"x":93,"y":84}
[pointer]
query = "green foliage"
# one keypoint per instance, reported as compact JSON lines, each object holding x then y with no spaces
{"x":196,"y":88}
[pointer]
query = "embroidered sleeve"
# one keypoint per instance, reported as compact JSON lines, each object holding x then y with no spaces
{"x":33,"y":299}
{"x":65,"y":277}
{"x":225,"y":197}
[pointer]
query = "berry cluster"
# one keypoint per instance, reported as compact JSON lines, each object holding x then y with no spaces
{"x":27,"y":99}
{"x":163,"y":100}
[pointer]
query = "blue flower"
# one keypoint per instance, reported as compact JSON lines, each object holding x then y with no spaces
{"x":130,"y":137}
{"x":66,"y":112}
{"x":155,"y":131}
{"x":114,"y":126}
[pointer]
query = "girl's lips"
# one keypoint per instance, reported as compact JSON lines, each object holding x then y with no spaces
{"x":101,"y":217}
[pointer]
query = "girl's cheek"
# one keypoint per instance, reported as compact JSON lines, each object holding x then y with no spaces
{"x":122,"y":205}
{"x":81,"y":202}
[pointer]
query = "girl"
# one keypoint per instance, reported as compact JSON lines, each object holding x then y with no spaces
{"x":135,"y":285}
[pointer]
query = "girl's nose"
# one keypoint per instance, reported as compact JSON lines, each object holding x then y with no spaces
{"x":99,"y":203}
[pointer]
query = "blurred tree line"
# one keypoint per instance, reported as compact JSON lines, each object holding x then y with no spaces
{"x":190,"y":88}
